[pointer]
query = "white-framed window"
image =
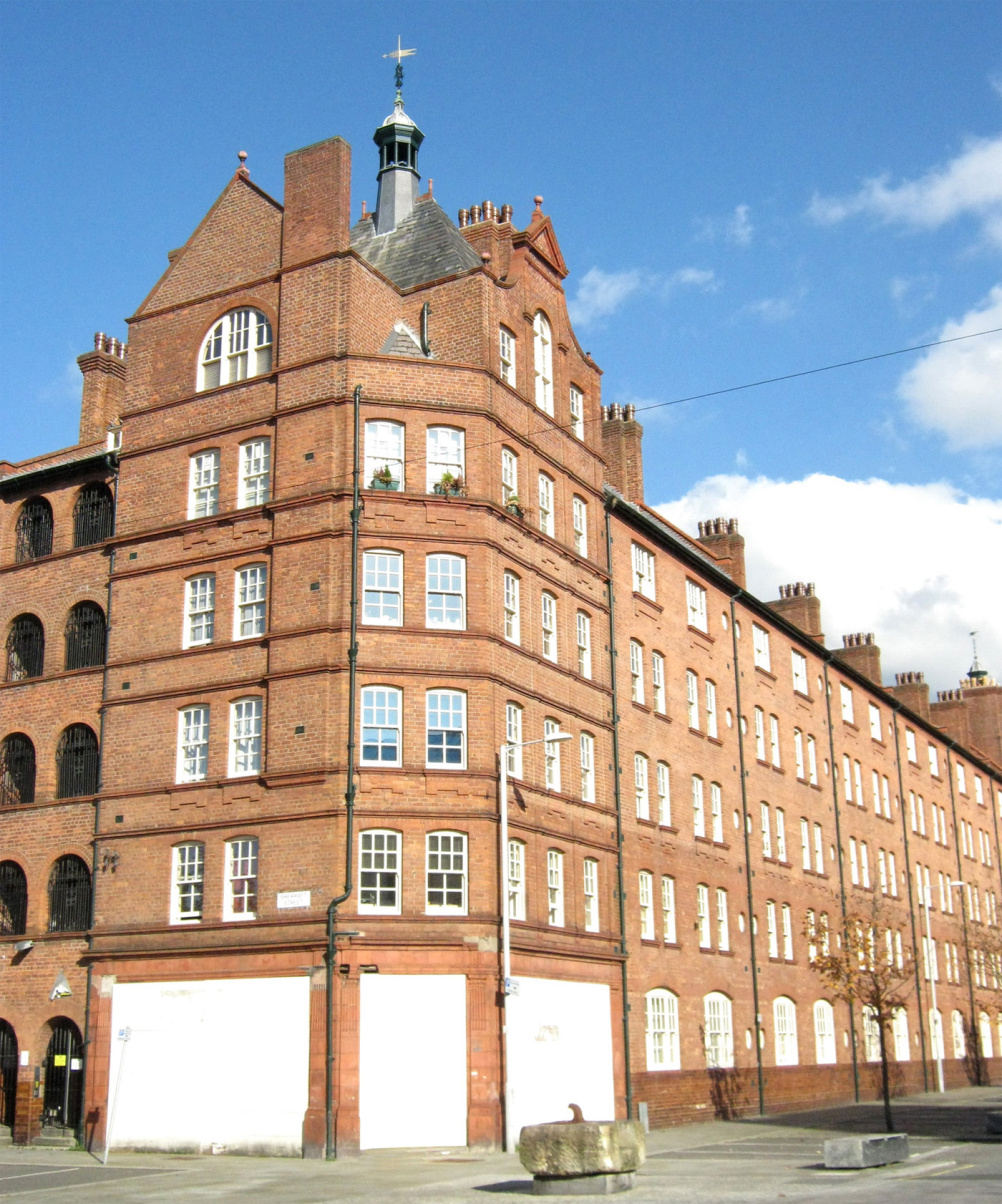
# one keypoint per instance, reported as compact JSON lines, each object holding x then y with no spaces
{"x":899,"y":1032}
{"x":583,"y":630}
{"x":382,"y":588}
{"x":240,"y":892}
{"x":979,"y":791}
{"x":771,"y":928}
{"x":766,"y":832}
{"x":703,"y":915}
{"x":934,"y":760}
{"x":780,"y":834}
{"x":590,"y":894}
{"x":711,"y":709}
{"x":237,"y":347}
{"x":203,"y":484}
{"x":513,"y":738}
{"x":379,"y":872}
{"x":911,"y":748}
{"x":824,"y":1033}
{"x":692,"y":698}
{"x":445,"y":591}
{"x":805,"y":844}
{"x":187,"y":882}
{"x":885,"y":794}
{"x":853,"y":862}
{"x":723,"y":925}
{"x":645,"y":897}
{"x":555,"y":888}
{"x":658,"y":682}
{"x":384,"y":455}
{"x":250,"y":601}
{"x":516,"y":880}
{"x":716,"y":813}
{"x":845,"y":692}
{"x":512,"y":619}
{"x":446,"y":729}
{"x":668,"y":916}
{"x":445,"y":873}
{"x":542,"y":359}
{"x":875,"y":732}
{"x":847,"y":777}
{"x":812,"y":935}
{"x":961,"y":778}
{"x":718,"y":1030}
{"x":579,"y":521}
{"x":824,"y":933}
{"x":641,"y":789}
{"x":857,"y":771}
{"x":255,"y":472}
{"x":509,"y":475}
{"x":551,"y":751}
{"x":546,"y":504}
{"x":643,"y":571}
{"x":577,"y":412}
{"x":199,"y":610}
{"x":192,"y":744}
{"x":695,"y":600}
{"x":938,"y":1049}
{"x":245,"y":737}
{"x":892,"y":874}
{"x":760,"y":648}
{"x":698,"y":807}
{"x":774,"y":740}
{"x":664,"y":795}
{"x":798,"y":754}
{"x":548,"y":611}
{"x":787,"y":918}
{"x":799,"y":665}
{"x":661,"y":1030}
{"x":587,"y":748}
{"x":636,"y":671}
{"x":812,"y":761}
{"x":759,"y":734}
{"x":506,"y":351}
{"x":446,"y":454}
{"x":871,"y":1034}
{"x":864,"y":864}
{"x":882,"y":870}
{"x":381,"y":709}
{"x":784,"y":1020}
{"x":819,"y":850}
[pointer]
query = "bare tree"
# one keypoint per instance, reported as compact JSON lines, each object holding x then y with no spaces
{"x":868,"y":963}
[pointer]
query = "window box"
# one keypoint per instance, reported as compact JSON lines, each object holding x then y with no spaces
{"x":383,"y":483}
{"x":450,"y":486}
{"x":514,"y":506}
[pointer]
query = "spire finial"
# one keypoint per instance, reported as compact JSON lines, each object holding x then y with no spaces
{"x":398,"y":74}
{"x":976,"y":673}
{"x":242,"y":156}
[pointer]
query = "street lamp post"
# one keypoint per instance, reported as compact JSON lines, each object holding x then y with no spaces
{"x":935,"y":1019}
{"x":507,"y":984}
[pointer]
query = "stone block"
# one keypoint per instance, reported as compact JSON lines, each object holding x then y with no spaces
{"x":613,"y":1147}
{"x":583,"y":1185}
{"x":854,"y":1153}
{"x":993,"y":1123}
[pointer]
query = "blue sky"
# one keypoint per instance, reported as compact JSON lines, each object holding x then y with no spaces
{"x":741,"y":190}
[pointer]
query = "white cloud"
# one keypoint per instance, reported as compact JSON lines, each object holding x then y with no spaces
{"x":970,"y":184}
{"x":918,"y":565}
{"x":600,"y":294}
{"x":62,"y":390}
{"x":739,"y":228}
{"x":696,"y":277}
{"x":770,"y":309}
{"x":957,"y":389}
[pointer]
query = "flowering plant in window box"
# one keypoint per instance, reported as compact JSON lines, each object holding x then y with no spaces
{"x":382,"y":478}
{"x":450,"y":485}
{"x":514,"y":506}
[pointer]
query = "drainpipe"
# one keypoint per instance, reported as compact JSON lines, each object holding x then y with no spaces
{"x":349,"y":794}
{"x":745,"y":824}
{"x":617,"y":771}
{"x":975,"y":1032}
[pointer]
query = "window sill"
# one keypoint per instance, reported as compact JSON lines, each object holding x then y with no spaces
{"x":765,"y":672}
{"x":715,"y":740}
{"x":641,"y":706}
{"x":694,"y":731}
{"x":640,"y":597}
{"x":671,"y":945}
{"x":802,"y":694}
{"x":663,"y":716}
{"x":702,"y":634}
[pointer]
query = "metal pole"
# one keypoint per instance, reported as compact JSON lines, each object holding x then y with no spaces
{"x":937,"y":1022}
{"x":505,"y":944}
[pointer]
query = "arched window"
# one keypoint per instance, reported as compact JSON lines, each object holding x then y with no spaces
{"x":661,"y":1015}
{"x":237,"y":347}
{"x":69,"y":895}
{"x":8,"y":1075}
{"x":542,"y":346}
{"x":824,"y":1033}
{"x":63,"y":1103}
{"x":34,"y":530}
{"x":17,"y":770}
{"x":25,"y":648}
{"x":959,"y":1041}
{"x":93,"y":515}
{"x":899,"y":1030}
{"x":784,"y":1019}
{"x":85,"y":636}
{"x":13,"y":899}
{"x":76,"y":762}
{"x":718,"y":1030}
{"x":985,"y":1029}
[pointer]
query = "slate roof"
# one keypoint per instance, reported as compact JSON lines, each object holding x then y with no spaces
{"x":401,"y":341}
{"x":425,"y":246}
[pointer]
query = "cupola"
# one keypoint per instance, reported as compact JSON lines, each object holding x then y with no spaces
{"x":398,"y":139}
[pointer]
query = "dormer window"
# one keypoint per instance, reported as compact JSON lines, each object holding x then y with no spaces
{"x":236,"y":348}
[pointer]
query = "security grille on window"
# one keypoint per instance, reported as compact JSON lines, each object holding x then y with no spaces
{"x":549,"y":616}
{"x":545,"y":504}
{"x":446,"y":729}
{"x":692,"y":699}
{"x":583,"y":629}
{"x":661,"y":1012}
{"x":379,"y":872}
{"x":382,"y":588}
{"x":241,"y":879}
{"x":664,"y":795}
{"x":719,"y":1035}
{"x":784,"y":1015}
{"x":551,"y":750}
{"x":446,"y":591}
{"x":69,"y":895}
{"x":658,"y":681}
{"x":199,"y":610}
{"x":723,"y":926}
{"x":542,"y":347}
{"x":703,"y":915}
{"x":446,"y":454}
{"x":555,"y":888}
{"x":188,"y":882}
{"x":509,"y":475}
{"x":516,"y":880}
{"x":760,"y":647}
{"x":93,"y":515}
{"x":380,"y":725}
{"x":245,"y":737}
{"x":446,"y":872}
{"x":587,"y":745}
{"x":77,"y":762}
{"x":33,"y":534}
{"x":384,"y":455}
{"x":698,"y":808}
{"x":579,"y":519}
{"x":590,"y":894}
{"x":255,"y":472}
{"x":513,"y":739}
{"x":25,"y":649}
{"x":695,"y":597}
{"x":799,"y":672}
{"x":13,"y":899}
{"x":716,"y":813}
{"x":236,"y":348}
{"x":641,"y":787}
{"x":668,"y":910}
{"x":824,"y":1033}
{"x":506,"y":341}
{"x":193,"y":744}
{"x":17,"y":770}
{"x":711,"y":710}
{"x":85,"y":636}
{"x":645,"y":897}
{"x":250,"y":612}
{"x":512,"y":620}
{"x":643,"y":571}
{"x":636,"y":672}
{"x":203,"y":485}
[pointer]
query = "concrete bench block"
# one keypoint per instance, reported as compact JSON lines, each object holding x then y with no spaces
{"x":993,"y":1123}
{"x":583,"y":1185}
{"x":854,"y":1153}
{"x":582,"y":1157}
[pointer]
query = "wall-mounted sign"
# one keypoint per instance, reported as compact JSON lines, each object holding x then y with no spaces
{"x":58,"y":1059}
{"x":290,"y":899}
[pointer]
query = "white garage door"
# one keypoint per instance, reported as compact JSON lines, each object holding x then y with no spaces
{"x":559,"y":1038}
{"x":221,"y":1062}
{"x":412,"y":1060}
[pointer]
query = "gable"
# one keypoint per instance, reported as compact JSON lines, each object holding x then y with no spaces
{"x":539,"y":237}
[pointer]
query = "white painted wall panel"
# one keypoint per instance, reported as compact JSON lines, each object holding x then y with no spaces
{"x":412,"y":1052}
{"x":219,"y":1062}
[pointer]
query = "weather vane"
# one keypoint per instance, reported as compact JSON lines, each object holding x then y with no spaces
{"x":399,"y":54}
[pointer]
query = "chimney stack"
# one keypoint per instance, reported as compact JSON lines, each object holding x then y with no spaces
{"x":799,"y":605}
{"x":317,"y":202}
{"x":622,"y":437}
{"x":721,"y":539}
{"x":861,"y":653}
{"x":103,"y":386}
{"x":913,"y":690}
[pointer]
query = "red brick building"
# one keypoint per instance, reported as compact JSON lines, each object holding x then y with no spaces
{"x":189,"y":776}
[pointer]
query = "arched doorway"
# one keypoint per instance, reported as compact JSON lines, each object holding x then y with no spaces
{"x":8,"y":1076}
{"x":63,"y":1100}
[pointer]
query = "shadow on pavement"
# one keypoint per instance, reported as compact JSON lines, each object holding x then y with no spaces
{"x":952,"y":1122}
{"x":518,"y":1187}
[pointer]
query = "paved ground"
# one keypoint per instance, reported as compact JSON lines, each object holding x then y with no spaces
{"x":754,"y":1160}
